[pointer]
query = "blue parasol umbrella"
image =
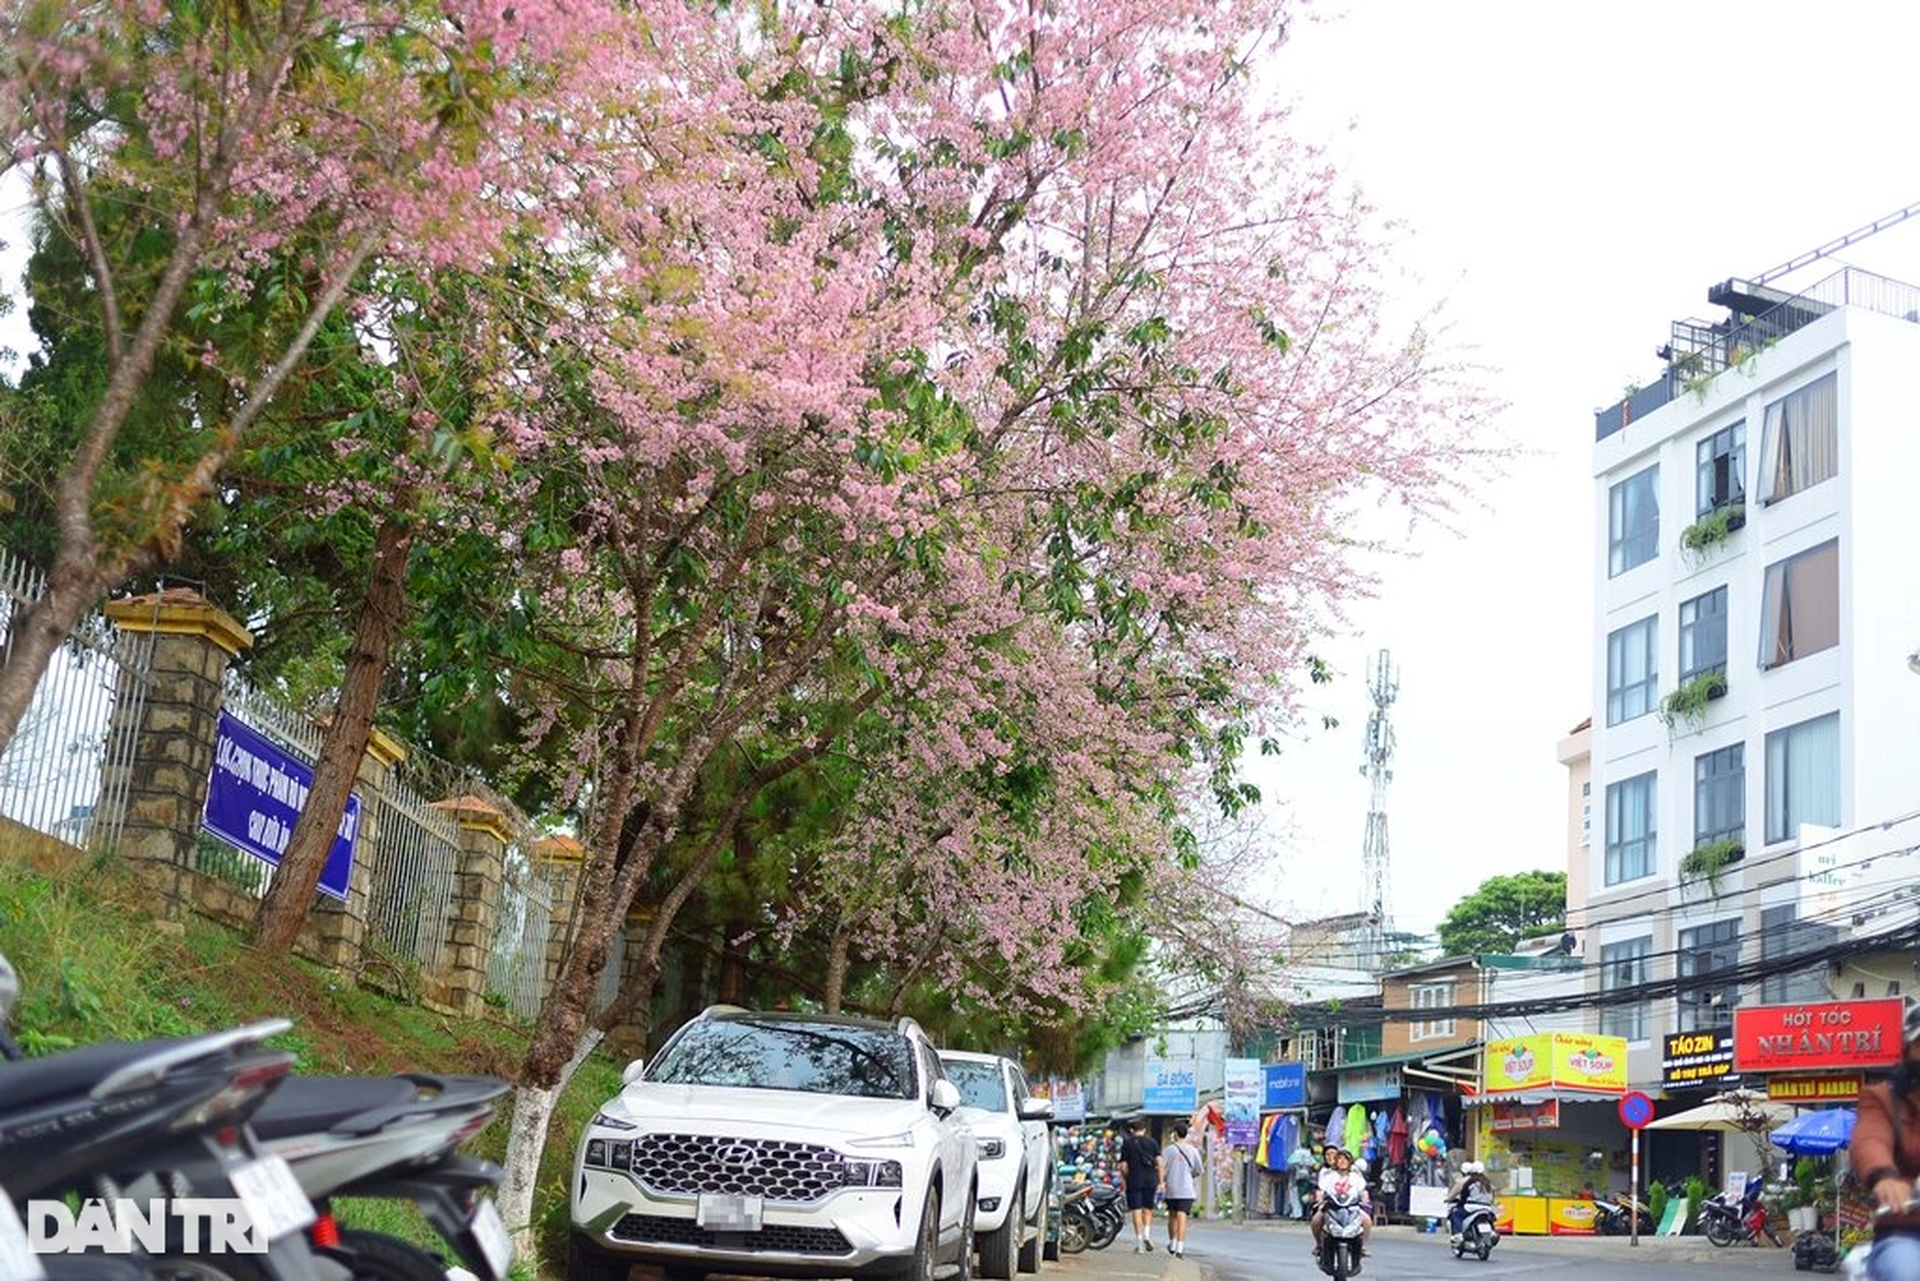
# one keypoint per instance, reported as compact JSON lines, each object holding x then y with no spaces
{"x":1816,"y":1133}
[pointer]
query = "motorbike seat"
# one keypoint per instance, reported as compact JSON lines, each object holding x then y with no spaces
{"x":305,"y":1105}
{"x":71,"y":1072}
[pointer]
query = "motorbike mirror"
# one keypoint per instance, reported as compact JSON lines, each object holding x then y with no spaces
{"x":635,"y":1070}
{"x":9,"y":989}
{"x":1036,"y":1110}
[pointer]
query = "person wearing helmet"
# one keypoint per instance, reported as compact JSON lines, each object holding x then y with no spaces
{"x":1341,"y":1179}
{"x":1886,"y":1152}
{"x":1471,"y":1185}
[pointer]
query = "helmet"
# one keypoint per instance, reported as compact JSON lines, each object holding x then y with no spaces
{"x":1473,"y":1167}
{"x":1360,"y":1165}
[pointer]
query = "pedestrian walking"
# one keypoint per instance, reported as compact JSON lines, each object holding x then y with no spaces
{"x":1182,"y":1162}
{"x":1886,"y":1152}
{"x":1144,"y":1170}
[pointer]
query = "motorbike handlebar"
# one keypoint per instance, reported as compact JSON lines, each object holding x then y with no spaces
{"x":1912,"y":1207}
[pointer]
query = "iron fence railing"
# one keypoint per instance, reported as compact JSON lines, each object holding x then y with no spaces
{"x":66,"y":772}
{"x":416,"y":856}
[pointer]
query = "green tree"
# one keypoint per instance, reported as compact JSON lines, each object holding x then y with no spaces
{"x":1504,"y":910}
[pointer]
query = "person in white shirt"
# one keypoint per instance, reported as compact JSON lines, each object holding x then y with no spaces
{"x":1339,"y":1178}
{"x":1181,"y":1162}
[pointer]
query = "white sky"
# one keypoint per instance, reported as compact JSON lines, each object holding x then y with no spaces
{"x":1573,"y":177}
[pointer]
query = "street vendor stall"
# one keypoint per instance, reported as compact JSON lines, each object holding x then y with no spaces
{"x":1548,"y":1130}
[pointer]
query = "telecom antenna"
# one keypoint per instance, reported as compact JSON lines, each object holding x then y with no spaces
{"x":1384,"y":687}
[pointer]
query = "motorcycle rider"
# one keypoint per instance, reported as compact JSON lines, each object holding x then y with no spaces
{"x":1886,"y":1151}
{"x":1340,"y":1179}
{"x":1471,"y":1185}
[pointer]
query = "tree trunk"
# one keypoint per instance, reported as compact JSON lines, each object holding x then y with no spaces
{"x":34,"y":634}
{"x":526,"y":1139}
{"x":284,"y":910}
{"x":837,"y":972}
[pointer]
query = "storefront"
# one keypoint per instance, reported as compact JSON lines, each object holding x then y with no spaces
{"x":1403,"y":1114}
{"x":1816,"y":1053}
{"x":1282,"y":1134}
{"x":1548,"y":1129}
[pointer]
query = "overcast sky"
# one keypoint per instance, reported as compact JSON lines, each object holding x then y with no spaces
{"x":1573,"y":178}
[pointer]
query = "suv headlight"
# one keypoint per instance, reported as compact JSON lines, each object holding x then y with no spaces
{"x":992,"y":1149}
{"x":904,"y":1139}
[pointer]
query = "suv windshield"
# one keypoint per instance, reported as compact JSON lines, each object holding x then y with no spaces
{"x":981,"y":1085}
{"x":823,"y":1058}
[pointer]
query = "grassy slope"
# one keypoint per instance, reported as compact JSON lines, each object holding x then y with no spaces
{"x":93,"y":966}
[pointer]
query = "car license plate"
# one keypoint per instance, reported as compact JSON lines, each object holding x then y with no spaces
{"x":16,"y":1256}
{"x":275,"y":1204}
{"x":728,"y":1212}
{"x":492,"y":1235}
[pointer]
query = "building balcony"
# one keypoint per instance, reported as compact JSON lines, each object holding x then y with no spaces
{"x":1757,"y":317}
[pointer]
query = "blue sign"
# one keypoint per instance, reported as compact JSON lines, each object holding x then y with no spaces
{"x":1283,"y":1085}
{"x":255,"y":795}
{"x":1172,"y":1086}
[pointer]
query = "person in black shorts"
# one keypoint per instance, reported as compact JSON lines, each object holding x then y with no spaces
{"x":1141,"y":1165}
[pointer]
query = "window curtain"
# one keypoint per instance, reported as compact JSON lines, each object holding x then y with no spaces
{"x":1800,"y":605}
{"x":1803,"y":777}
{"x":1803,"y":438}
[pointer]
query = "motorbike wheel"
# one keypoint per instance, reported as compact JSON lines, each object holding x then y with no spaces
{"x":1106,"y":1231}
{"x":1719,"y":1231}
{"x":1342,"y":1261}
{"x":375,"y":1256}
{"x":1074,"y":1236}
{"x":1772,"y":1235}
{"x":1486,"y":1248}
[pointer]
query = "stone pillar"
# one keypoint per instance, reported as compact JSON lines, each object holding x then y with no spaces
{"x":171,"y":729}
{"x":475,"y":905}
{"x":335,"y":934}
{"x":559,"y":860}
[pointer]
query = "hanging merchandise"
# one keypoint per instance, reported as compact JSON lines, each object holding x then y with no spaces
{"x":1356,"y":1131}
{"x":1397,"y":1137}
{"x":1337,"y":1126}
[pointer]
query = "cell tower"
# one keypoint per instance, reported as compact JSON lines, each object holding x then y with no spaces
{"x":1384,"y":686}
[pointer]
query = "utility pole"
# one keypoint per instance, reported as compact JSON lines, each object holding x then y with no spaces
{"x":1383,"y":685}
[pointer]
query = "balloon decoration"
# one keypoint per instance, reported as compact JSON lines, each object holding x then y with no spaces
{"x":1089,"y":1154}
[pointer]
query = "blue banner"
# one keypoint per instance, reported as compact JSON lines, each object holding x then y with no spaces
{"x":255,"y":794}
{"x":1283,"y":1085}
{"x":1172,"y":1086}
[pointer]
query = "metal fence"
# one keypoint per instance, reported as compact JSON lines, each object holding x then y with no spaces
{"x":415,"y":858}
{"x":65,"y":772}
{"x":517,"y":956}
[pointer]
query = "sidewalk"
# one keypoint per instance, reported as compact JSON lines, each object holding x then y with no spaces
{"x":1656,"y":1251}
{"x":1119,"y":1260}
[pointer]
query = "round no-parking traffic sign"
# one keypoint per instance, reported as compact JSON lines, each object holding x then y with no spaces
{"x":1636,"y":1109}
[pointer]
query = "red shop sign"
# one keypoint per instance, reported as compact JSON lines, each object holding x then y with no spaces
{"x":1808,"y":1038}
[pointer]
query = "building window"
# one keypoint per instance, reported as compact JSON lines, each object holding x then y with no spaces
{"x":1633,"y":670}
{"x":1630,"y":829}
{"x":1586,"y":815}
{"x":1803,"y":777}
{"x":1802,"y":439}
{"x":1705,"y":950}
{"x":1782,"y":935}
{"x":1721,"y":476}
{"x":1432,"y":996}
{"x":1703,"y":635}
{"x":1720,"y":796}
{"x":1624,"y":965}
{"x":1800,"y":605}
{"x":1633,"y":521}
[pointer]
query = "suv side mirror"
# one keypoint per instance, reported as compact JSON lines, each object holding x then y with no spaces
{"x":635,"y":1071}
{"x":1036,"y":1109}
{"x":945,"y":1096}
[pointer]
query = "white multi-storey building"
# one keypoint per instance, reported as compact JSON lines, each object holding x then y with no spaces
{"x":1757,"y":594}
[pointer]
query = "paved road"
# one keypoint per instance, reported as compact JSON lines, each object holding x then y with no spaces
{"x":1222,"y":1252}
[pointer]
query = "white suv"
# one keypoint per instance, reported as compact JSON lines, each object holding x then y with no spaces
{"x":778,"y":1145}
{"x":1016,"y":1158}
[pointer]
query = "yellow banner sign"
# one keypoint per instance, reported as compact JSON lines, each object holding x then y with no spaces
{"x":1569,"y":1060}
{"x":1814,"y":1089}
{"x":1520,"y":1063}
{"x":1590,"y":1062}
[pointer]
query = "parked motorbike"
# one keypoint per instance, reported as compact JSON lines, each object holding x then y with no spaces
{"x":1343,"y":1224}
{"x":1076,"y":1219}
{"x":395,"y":1138}
{"x":1478,"y":1234}
{"x":1616,"y":1217}
{"x":1726,"y":1221}
{"x":1109,"y":1208}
